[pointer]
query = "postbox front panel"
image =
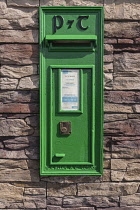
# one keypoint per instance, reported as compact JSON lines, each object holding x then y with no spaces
{"x":71,"y":90}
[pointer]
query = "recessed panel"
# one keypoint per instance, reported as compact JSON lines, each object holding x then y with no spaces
{"x":70,"y":85}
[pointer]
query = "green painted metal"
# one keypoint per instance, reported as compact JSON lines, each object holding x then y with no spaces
{"x":71,"y":38}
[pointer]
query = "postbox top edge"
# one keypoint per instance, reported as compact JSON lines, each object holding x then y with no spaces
{"x":71,"y":7}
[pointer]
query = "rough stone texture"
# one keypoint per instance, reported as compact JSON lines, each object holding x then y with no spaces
{"x":21,"y":187}
{"x":122,"y":97}
{"x":19,"y":108}
{"x":17,"y":71}
{"x":118,"y":108}
{"x":130,"y":200}
{"x":8,"y":83}
{"x":127,"y":63}
{"x":24,"y":3}
{"x":13,"y":18}
{"x":29,"y":82}
{"x":19,"y":96}
{"x":118,"y":9}
{"x":17,"y":36}
{"x":122,"y":29}
{"x":14,"y":127}
{"x":18,"y":54}
{"x":61,"y":190}
{"x":90,"y":201}
{"x":107,"y":189}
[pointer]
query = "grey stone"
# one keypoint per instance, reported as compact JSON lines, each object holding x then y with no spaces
{"x":97,"y":201}
{"x":122,"y":164}
{"x":114,"y":117}
{"x":108,"y":107}
{"x":23,"y":3}
{"x":108,"y":81}
{"x":130,"y":200}
{"x":20,"y":142}
{"x":29,"y":82}
{"x":54,"y":201}
{"x":126,"y":83}
{"x":118,"y":9}
{"x":107,"y":189}
{"x":136,"y":108}
{"x":122,"y":29}
{"x":11,"y":18}
{"x":57,"y":189}
{"x":17,"y":71}
{"x":8,"y":192}
{"x":8,"y":83}
{"x":108,"y":67}
{"x":8,"y":154}
{"x":133,"y":172}
{"x":14,"y":127}
{"x":18,"y":54}
{"x":17,"y":36}
{"x":19,"y":96}
{"x":127,"y":63}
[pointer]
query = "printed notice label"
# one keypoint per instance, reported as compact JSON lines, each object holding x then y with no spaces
{"x":70,"y":89}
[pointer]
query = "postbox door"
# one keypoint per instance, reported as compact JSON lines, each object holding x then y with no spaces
{"x":72,"y":113}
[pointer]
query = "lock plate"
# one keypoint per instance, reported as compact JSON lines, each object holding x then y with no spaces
{"x":65,"y":127}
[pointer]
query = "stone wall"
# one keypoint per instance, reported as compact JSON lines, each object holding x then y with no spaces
{"x":21,"y":187}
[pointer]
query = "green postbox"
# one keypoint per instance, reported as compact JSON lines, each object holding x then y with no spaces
{"x":71,"y":90}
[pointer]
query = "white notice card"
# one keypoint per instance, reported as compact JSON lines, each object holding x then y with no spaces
{"x":70,"y":89}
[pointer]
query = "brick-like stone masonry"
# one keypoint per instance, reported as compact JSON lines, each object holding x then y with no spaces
{"x":21,"y":186}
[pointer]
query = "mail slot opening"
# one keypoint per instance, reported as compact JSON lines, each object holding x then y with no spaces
{"x":71,"y":43}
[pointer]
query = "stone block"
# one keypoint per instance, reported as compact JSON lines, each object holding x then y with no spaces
{"x":23,"y":3}
{"x":28,"y":96}
{"x":130,"y":200}
{"x":60,"y":190}
{"x":14,"y":127}
{"x":107,"y":189}
{"x":85,"y":3}
{"x":19,"y":108}
{"x":108,"y":67}
{"x":117,"y":176}
{"x":126,"y":127}
{"x":29,"y":82}
{"x":108,"y":107}
{"x":8,"y":154}
{"x":122,"y":164}
{"x":17,"y":72}
{"x":119,"y":48}
{"x":118,"y":9}
{"x":122,"y":208}
{"x":98,"y":201}
{"x":71,"y":179}
{"x":127,"y":62}
{"x":54,"y":201}
{"x":114,"y":117}
{"x":18,"y":18}
{"x":8,"y":192}
{"x":122,"y":97}
{"x":108,"y":81}
{"x":125,"y":41}
{"x":18,"y":54}
{"x":125,"y":148}
{"x":126,"y":83}
{"x":119,"y":29}
{"x":8,"y":83}
{"x":21,"y":142}
{"x":17,"y":36}
{"x":133,"y":172}
{"x":136,"y":108}
{"x":106,"y":175}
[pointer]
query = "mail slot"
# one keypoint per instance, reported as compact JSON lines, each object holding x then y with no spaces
{"x":71,"y":90}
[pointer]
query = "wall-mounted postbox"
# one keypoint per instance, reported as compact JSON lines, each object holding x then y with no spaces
{"x":71,"y":90}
